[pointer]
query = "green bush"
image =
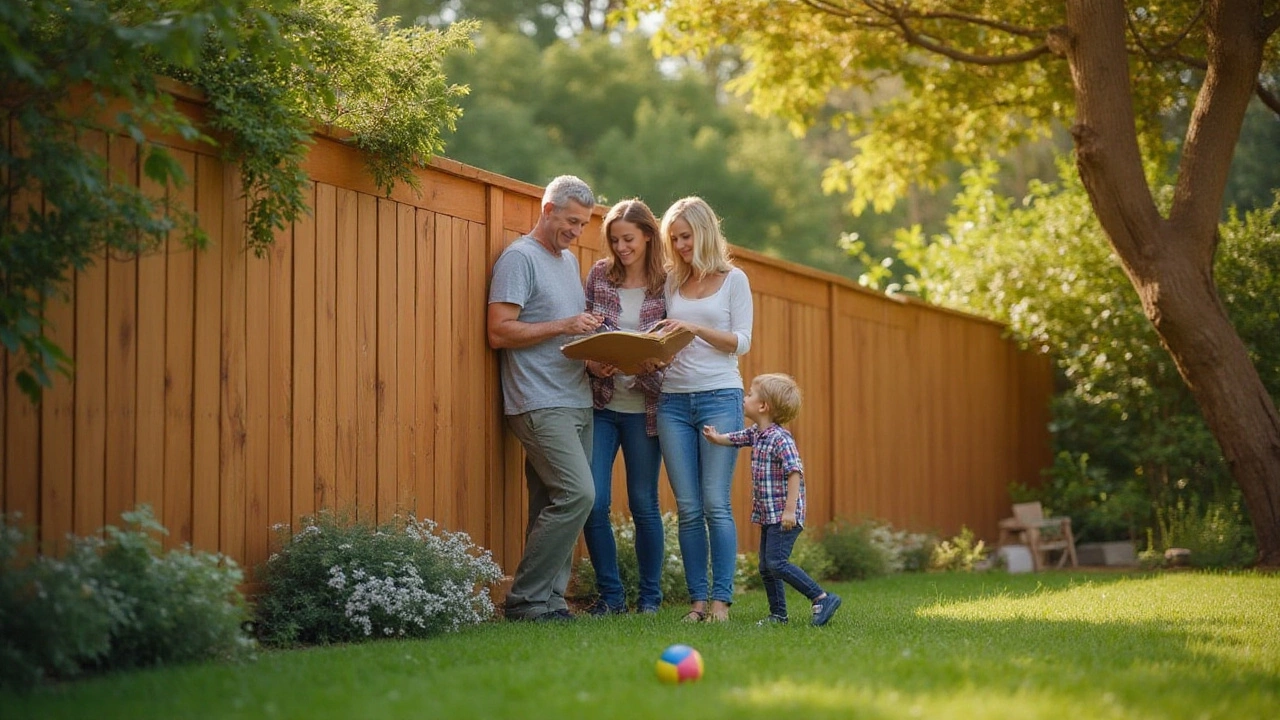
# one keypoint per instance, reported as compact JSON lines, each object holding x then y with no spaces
{"x":1219,"y":537}
{"x":961,"y":552}
{"x":114,"y":602}
{"x":339,"y":580}
{"x":1101,"y":508}
{"x":854,"y":553}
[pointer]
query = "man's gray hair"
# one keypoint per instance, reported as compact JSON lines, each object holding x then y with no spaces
{"x":568,"y":187}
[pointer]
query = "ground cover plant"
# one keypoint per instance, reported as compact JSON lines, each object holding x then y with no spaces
{"x":113,"y":601}
{"x":937,"y":645}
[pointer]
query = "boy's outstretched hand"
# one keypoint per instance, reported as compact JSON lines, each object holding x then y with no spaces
{"x":709,"y":432}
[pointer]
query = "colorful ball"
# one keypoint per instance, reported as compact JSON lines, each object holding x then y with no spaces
{"x":679,"y":663}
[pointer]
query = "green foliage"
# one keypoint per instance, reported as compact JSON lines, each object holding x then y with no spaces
{"x":339,"y":580}
{"x":74,"y":72}
{"x":114,"y":603}
{"x":1043,"y":266}
{"x":961,"y":552}
{"x":1101,"y":508}
{"x":854,"y":553}
{"x":1218,"y":537}
{"x":602,"y":108}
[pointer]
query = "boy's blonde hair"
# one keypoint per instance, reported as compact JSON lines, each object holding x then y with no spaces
{"x":782,"y":394}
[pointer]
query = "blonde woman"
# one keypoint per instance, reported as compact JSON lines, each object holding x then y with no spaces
{"x":710,"y":297}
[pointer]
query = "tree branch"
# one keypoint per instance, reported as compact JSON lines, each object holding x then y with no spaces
{"x":1268,"y":98}
{"x":1271,"y":23}
{"x":900,"y":16}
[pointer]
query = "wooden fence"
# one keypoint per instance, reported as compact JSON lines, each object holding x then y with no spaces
{"x":348,"y":369}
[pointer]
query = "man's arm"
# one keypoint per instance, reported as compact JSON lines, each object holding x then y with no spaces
{"x":506,"y":331}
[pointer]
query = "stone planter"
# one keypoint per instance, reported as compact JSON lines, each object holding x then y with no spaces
{"x":1107,"y":553}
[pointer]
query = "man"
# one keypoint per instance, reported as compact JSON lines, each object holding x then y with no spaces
{"x":536,"y":304}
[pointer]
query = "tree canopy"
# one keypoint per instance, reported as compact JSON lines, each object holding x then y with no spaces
{"x":980,"y":77}
{"x":600,"y":107}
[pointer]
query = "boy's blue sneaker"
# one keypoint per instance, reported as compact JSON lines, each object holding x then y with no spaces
{"x":824,"y":608}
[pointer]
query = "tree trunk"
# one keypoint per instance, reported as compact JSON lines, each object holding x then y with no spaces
{"x":1170,"y":261}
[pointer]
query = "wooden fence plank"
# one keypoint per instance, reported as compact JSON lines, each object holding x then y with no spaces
{"x":463,"y":485}
{"x":179,"y":340}
{"x":280,"y":393}
{"x":478,"y":511}
{"x":425,"y":364}
{"x":207,"y":472}
{"x":90,"y":444}
{"x":367,"y":359}
{"x":443,"y":387}
{"x":233,"y":408}
{"x":57,"y":428}
{"x":152,"y":278}
{"x":257,"y":404}
{"x":122,"y":355}
{"x":405,"y":397}
{"x":348,"y":351}
{"x":386,"y":407}
{"x":326,"y":325}
{"x":305,"y":390}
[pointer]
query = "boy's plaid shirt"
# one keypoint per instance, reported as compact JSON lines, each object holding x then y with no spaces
{"x":774,"y":456}
{"x":602,"y":299}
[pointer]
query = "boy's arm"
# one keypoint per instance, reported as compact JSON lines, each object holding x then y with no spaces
{"x":793,"y":500}
{"x":739,"y":438}
{"x":789,"y":455}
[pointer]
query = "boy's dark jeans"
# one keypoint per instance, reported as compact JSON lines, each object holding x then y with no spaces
{"x":776,"y":568}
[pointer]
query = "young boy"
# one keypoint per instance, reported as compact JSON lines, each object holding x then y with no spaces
{"x":777,"y":492}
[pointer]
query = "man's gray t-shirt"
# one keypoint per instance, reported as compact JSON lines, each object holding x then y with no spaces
{"x":546,"y":287}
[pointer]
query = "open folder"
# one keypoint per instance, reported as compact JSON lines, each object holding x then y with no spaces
{"x":627,"y":350}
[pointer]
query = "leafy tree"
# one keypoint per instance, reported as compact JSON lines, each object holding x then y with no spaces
{"x":600,"y":107}
{"x":546,"y":22}
{"x":270,"y":68}
{"x":981,"y":78}
{"x":1126,"y":425}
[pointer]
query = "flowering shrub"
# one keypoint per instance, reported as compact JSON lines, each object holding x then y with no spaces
{"x":961,"y":552}
{"x":904,"y":551}
{"x":114,"y":602}
{"x":340,"y":581}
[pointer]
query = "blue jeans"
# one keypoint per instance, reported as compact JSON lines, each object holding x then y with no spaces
{"x":701,"y":476}
{"x":776,"y":568}
{"x":640,"y":454}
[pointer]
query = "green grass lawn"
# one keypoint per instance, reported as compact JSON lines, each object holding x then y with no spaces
{"x":1049,"y":645}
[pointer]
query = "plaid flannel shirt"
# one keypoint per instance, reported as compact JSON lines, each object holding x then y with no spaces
{"x":602,"y":299}
{"x":774,"y":456}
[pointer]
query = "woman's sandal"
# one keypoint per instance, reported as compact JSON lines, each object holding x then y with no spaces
{"x":694,"y":616}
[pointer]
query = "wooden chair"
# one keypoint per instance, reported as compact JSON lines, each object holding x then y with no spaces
{"x":1040,"y":534}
